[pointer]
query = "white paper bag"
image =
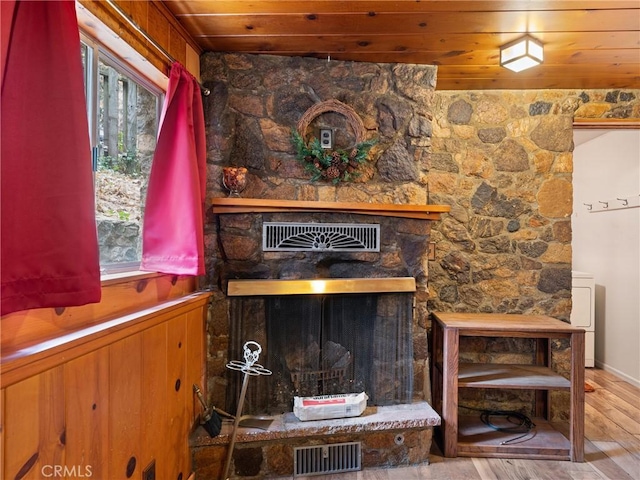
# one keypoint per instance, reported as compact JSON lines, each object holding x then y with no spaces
{"x":329,"y":406}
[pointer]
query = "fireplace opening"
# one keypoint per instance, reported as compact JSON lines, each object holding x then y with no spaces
{"x":324,"y":345}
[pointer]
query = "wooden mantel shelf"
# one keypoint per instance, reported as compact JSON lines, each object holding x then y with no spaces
{"x":262,"y":205}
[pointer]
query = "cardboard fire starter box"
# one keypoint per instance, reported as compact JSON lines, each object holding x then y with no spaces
{"x":325,"y":407}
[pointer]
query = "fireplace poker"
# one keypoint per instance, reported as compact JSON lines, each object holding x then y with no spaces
{"x":249,"y":367}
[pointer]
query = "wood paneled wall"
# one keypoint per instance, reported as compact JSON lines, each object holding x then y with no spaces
{"x":158,"y":22}
{"x":102,"y":390}
{"x":113,"y":401}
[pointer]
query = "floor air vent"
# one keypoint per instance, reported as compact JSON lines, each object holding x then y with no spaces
{"x":340,"y":237}
{"x":323,"y":459}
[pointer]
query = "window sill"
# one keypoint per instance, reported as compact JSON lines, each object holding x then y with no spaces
{"x":107,"y":279}
{"x":122,"y":294}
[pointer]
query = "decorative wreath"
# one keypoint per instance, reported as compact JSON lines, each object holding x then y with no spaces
{"x":339,"y":165}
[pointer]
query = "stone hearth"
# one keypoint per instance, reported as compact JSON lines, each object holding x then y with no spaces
{"x":391,"y":436}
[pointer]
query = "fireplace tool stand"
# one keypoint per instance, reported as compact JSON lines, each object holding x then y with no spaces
{"x":249,"y":367}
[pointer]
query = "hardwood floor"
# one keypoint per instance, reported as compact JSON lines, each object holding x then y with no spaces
{"x":612,"y":446}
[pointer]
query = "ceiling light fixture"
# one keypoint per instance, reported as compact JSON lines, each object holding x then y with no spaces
{"x":526,"y":52}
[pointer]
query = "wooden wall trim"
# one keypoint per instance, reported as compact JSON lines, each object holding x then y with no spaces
{"x":25,"y":362}
{"x":120,"y":296}
{"x":612,"y":123}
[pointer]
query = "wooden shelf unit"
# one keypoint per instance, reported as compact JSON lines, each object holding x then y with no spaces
{"x":265,"y":205}
{"x":468,"y":435}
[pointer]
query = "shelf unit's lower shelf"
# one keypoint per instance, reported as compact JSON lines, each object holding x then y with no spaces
{"x":544,"y":442}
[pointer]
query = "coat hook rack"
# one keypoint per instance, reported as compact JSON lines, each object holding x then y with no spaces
{"x":619,"y":203}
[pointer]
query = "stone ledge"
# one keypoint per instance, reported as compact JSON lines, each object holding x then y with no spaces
{"x":288,"y":426}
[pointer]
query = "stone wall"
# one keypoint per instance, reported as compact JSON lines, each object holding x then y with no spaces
{"x":256,"y":101}
{"x":506,"y":171}
{"x":503,"y":161}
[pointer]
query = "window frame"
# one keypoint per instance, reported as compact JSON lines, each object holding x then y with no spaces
{"x":97,"y":52}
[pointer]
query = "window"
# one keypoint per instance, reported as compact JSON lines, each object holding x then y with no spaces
{"x":123,"y":112}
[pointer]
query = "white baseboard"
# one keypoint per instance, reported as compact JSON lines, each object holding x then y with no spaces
{"x":633,"y":381}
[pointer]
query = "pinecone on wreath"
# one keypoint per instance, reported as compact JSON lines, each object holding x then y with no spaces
{"x":333,"y":172}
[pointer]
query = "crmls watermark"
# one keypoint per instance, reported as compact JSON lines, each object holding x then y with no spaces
{"x":64,"y":471}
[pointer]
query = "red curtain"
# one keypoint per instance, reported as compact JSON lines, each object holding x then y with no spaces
{"x":6,"y":19}
{"x":49,"y":247}
{"x":173,"y":228}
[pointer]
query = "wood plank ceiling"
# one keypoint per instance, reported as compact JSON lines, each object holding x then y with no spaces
{"x":588,"y":44}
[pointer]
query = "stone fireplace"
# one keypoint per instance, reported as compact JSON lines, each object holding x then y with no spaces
{"x":329,"y":322}
{"x":250,"y":116}
{"x":378,"y":298}
{"x":255,"y":103}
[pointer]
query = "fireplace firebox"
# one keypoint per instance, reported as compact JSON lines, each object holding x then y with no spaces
{"x":326,"y":343}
